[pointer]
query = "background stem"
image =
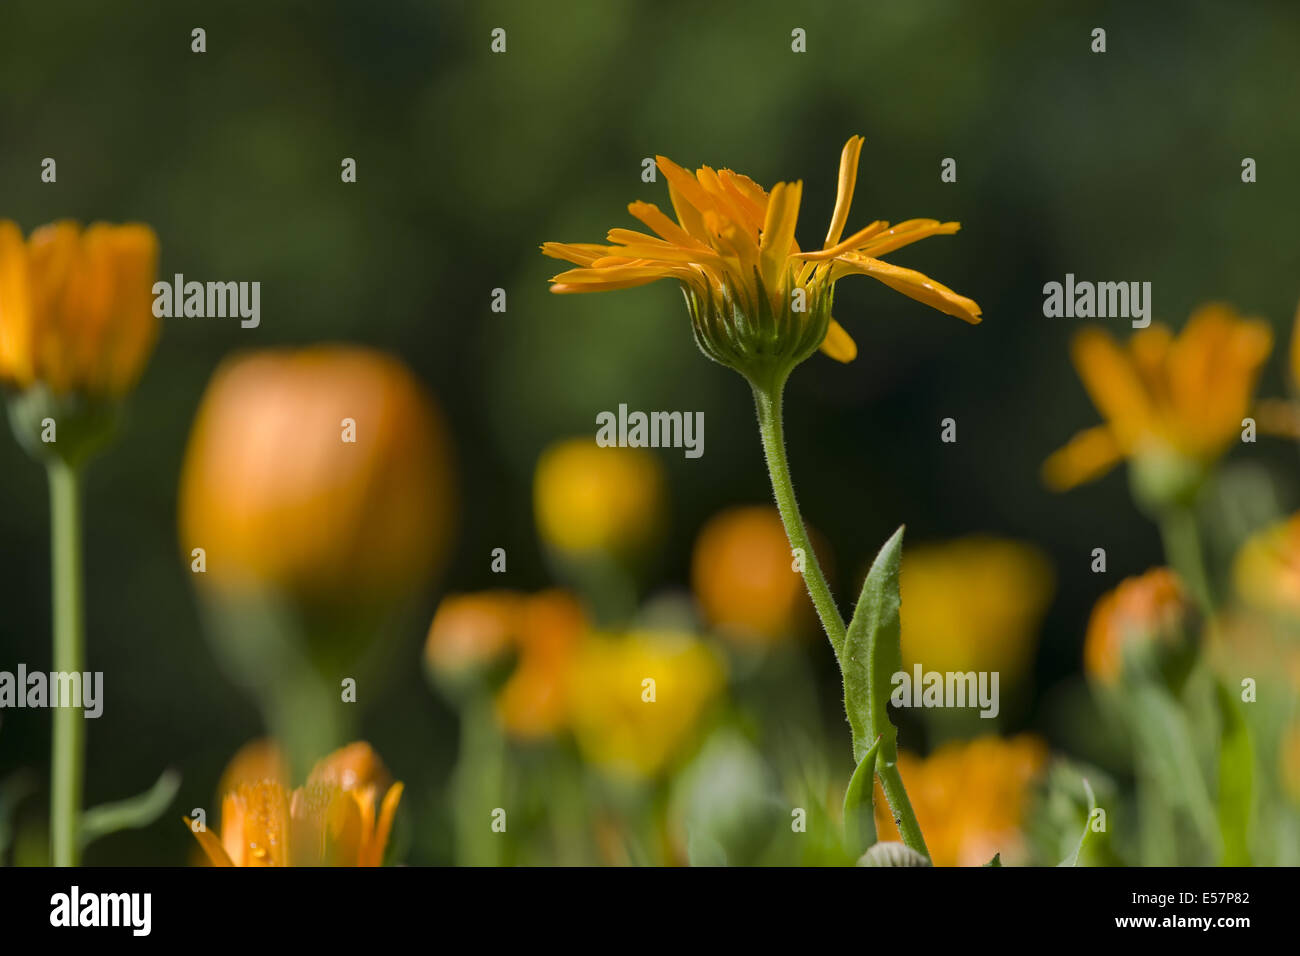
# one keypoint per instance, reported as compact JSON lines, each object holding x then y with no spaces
{"x":68,"y":752}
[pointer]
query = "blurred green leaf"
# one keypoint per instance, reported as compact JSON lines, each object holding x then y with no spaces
{"x":131,"y":813}
{"x":1073,"y":858}
{"x":1236,"y":779}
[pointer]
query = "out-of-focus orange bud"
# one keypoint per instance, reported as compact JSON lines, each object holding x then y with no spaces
{"x":745,"y":579}
{"x":471,"y":631}
{"x":322,"y":473}
{"x":1147,"y":620}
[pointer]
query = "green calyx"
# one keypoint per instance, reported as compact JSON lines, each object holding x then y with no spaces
{"x":68,"y":428}
{"x":742,"y":329}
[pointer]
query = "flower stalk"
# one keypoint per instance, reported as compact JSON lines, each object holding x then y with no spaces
{"x":768,"y":403}
{"x":69,"y":741}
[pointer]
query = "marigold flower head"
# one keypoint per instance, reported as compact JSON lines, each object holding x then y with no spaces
{"x":1172,"y":404}
{"x":76,"y":306}
{"x":970,"y":798}
{"x":618,"y":725}
{"x":1146,"y":624}
{"x":342,"y":816}
{"x":973,"y":604}
{"x":599,"y":501}
{"x":743,"y":575}
{"x":322,"y":474}
{"x":758,"y":303}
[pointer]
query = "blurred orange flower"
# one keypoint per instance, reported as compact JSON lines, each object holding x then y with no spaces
{"x":342,"y":816}
{"x":76,"y":306}
{"x":321,"y":473}
{"x":970,"y":798}
{"x":744,"y":578}
{"x":1165,"y":397}
{"x":973,"y":604}
{"x":1151,"y":612}
{"x":471,"y":631}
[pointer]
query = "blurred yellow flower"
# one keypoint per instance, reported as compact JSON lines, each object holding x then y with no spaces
{"x":974,"y":604}
{"x":744,"y":578}
{"x":257,"y":760}
{"x":637,"y":701}
{"x":76,"y":306}
{"x":322,"y":473}
{"x":970,"y":798}
{"x":1148,"y":613}
{"x":1266,"y":570}
{"x":341,"y":817}
{"x":1179,"y":399}
{"x":734,"y":252}
{"x":593,"y":500}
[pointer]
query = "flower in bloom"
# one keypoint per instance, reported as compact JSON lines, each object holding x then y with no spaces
{"x":973,"y":604}
{"x":758,"y":302}
{"x":1171,"y":403}
{"x":1147,"y":619}
{"x":970,"y":798}
{"x":76,"y":306}
{"x":744,"y":578}
{"x":341,"y":817}
{"x":322,"y":473}
{"x":598,"y":501}
{"x":636,"y":701}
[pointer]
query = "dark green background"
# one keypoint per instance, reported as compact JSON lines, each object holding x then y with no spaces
{"x":1122,"y":166}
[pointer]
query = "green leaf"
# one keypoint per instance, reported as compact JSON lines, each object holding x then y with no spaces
{"x":859,"y":812}
{"x":704,"y":850}
{"x":13,"y":790}
{"x":1167,"y":748}
{"x":131,"y":813}
{"x":872,"y":653}
{"x":996,"y":861}
{"x":1236,"y":779}
{"x":1073,"y":858}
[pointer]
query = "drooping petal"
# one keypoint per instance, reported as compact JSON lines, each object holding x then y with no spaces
{"x":844,"y":191}
{"x":915,"y":285}
{"x":579,"y":253}
{"x":838,"y":344}
{"x":1088,"y":455}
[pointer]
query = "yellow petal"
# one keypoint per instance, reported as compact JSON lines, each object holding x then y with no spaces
{"x":210,"y":844}
{"x":778,"y":233}
{"x":838,"y":344}
{"x":915,"y":285}
{"x":1088,"y":455}
{"x":844,"y":191}
{"x":16,"y":318}
{"x":906,"y":233}
{"x":1113,"y":384}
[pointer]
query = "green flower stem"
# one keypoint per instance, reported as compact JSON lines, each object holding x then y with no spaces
{"x":767,"y":401}
{"x":1183,"y":552}
{"x":68,"y":753}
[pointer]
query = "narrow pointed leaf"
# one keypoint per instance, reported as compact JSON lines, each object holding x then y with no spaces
{"x":859,"y":809}
{"x":873,"y":654}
